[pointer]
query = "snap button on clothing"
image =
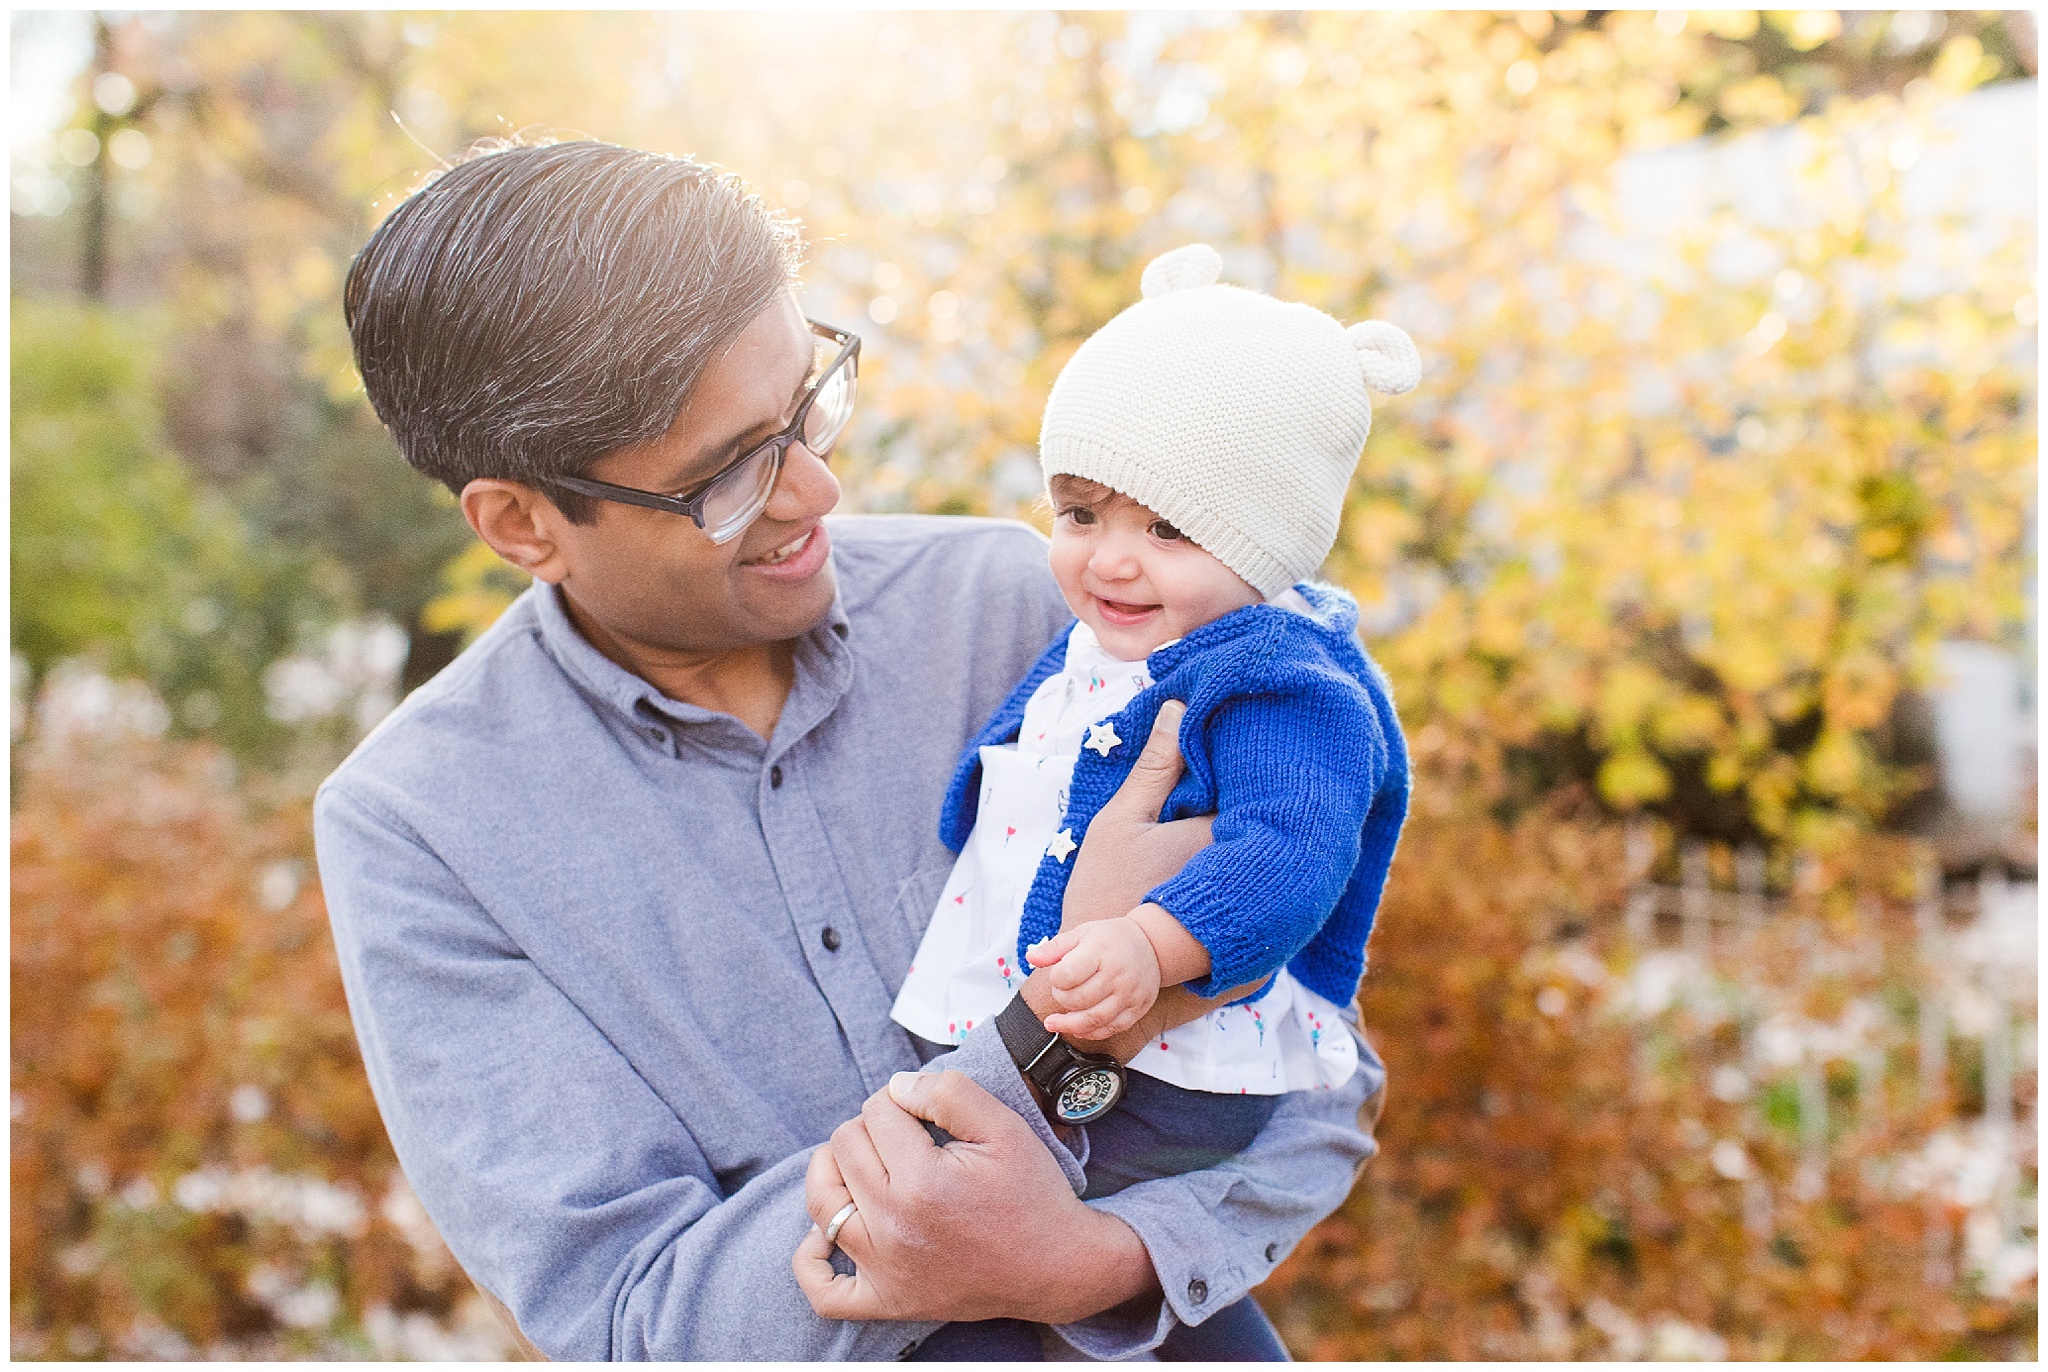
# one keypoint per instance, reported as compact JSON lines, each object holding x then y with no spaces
{"x":830,"y":938}
{"x":1272,"y":1252}
{"x":775,"y":777}
{"x":1198,"y":1290}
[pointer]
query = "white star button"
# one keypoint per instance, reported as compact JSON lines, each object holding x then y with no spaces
{"x":1062,"y":845}
{"x":1102,"y":737}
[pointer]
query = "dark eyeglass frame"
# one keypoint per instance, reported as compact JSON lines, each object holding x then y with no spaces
{"x":691,"y":503}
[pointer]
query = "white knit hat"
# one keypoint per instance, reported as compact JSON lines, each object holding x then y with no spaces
{"x":1238,"y":418}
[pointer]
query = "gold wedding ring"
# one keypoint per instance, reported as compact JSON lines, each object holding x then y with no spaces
{"x":839,"y":1220}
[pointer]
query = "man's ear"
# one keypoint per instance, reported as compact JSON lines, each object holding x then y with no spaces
{"x":519,"y":523}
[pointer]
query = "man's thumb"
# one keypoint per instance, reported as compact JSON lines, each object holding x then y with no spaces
{"x":1157,"y":770}
{"x":951,"y":1100}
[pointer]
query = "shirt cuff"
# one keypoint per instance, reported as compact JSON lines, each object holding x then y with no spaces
{"x":982,"y":1056}
{"x":1188,"y":1249}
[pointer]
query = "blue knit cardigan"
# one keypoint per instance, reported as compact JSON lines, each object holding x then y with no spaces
{"x":1291,"y":741}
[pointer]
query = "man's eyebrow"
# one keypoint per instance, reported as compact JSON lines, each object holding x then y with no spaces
{"x":716,"y":461}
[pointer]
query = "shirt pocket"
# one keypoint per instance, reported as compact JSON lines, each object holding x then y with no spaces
{"x":900,"y":933}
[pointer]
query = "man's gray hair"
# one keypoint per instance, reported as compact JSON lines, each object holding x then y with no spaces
{"x":532,"y":308}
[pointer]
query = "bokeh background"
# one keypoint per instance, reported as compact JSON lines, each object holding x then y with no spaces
{"x":1702,"y":564}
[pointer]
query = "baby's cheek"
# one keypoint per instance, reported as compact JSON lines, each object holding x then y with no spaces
{"x":1197,"y":589}
{"x":1068,"y":556}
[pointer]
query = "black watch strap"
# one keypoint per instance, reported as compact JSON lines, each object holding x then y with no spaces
{"x":1024,"y":1035}
{"x":1081,"y":1087}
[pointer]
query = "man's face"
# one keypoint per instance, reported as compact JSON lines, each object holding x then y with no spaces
{"x":653,"y":579}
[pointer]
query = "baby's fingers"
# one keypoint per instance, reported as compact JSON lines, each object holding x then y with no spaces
{"x":1083,"y":997}
{"x":1048,"y":951}
{"x":1109,"y":1008}
{"x":1099,"y":1021}
{"x":1124,"y":1017}
{"x":1076,"y":969}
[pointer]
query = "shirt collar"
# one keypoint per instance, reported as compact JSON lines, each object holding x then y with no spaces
{"x":1085,"y":650}
{"x":824,"y":668}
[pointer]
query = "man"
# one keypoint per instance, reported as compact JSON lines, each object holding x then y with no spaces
{"x":624,"y":895}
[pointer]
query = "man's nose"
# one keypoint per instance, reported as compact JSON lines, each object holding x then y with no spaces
{"x":804,"y":489}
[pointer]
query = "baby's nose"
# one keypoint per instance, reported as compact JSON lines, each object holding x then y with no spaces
{"x":1114,"y":562}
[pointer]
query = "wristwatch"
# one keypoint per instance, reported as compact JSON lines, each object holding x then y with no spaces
{"x":1081,"y":1086}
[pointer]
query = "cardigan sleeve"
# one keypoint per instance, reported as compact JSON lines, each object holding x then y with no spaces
{"x":1296,"y":774}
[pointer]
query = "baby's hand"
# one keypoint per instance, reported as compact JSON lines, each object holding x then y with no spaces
{"x":1105,"y":976}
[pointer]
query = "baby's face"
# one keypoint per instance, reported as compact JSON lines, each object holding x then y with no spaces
{"x":1132,"y":577}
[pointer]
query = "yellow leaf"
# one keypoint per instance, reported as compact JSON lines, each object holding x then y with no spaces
{"x":1688,"y":723}
{"x":1835,"y":763}
{"x":476,"y":586}
{"x":1630,"y":777}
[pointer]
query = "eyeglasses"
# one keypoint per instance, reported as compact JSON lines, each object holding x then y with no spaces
{"x":726,"y":504}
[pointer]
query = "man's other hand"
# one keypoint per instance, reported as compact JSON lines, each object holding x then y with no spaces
{"x":982,"y":1228}
{"x":1127,"y":851}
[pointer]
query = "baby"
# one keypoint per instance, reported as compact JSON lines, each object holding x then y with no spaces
{"x":1197,"y":451}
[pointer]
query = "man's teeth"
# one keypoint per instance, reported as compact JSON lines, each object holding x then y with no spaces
{"x":786,"y":551}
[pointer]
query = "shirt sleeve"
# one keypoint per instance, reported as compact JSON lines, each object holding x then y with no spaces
{"x":562,"y":1182}
{"x":984,"y":1059}
{"x":1296,"y":772}
{"x":571,"y":1191}
{"x":1215,"y":1234}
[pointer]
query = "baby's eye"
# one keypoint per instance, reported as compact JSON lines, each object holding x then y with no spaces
{"x":1165,"y":532}
{"x":1080,"y":514}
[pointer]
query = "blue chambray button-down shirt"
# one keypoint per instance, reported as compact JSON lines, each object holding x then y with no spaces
{"x":617,"y":964}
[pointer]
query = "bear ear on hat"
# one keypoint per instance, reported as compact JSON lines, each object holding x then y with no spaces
{"x":1387,"y":356}
{"x":1183,"y":269}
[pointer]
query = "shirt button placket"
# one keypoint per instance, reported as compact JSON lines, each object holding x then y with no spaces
{"x":790,"y":825}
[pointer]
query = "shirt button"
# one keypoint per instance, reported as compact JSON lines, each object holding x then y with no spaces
{"x":830,"y":938}
{"x":1198,"y":1290}
{"x":775,"y":777}
{"x":1272,"y":1252}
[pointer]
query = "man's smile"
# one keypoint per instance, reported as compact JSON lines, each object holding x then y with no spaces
{"x":796,"y":559}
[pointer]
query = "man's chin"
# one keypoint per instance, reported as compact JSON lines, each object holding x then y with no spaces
{"x":784,"y":606}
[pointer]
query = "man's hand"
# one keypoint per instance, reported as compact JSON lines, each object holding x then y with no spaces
{"x":1127,"y":851}
{"x":985,"y":1227}
{"x":1104,"y":976}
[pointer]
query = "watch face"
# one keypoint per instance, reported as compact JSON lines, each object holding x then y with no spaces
{"x":1087,"y":1094}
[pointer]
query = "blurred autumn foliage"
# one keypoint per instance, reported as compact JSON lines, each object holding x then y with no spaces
{"x":1727,"y":421}
{"x":1582,"y":1160}
{"x":197,"y":1166}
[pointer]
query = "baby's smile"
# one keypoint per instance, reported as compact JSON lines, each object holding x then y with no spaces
{"x":1130,"y":576}
{"x":1122,"y":613}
